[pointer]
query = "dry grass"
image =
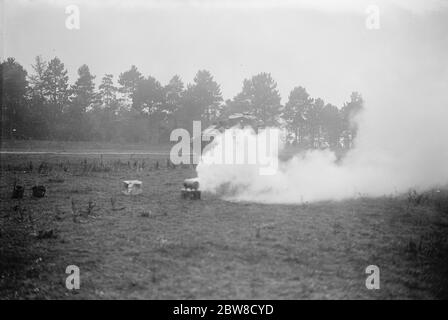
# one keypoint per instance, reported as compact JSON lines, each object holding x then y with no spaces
{"x":156,"y":245}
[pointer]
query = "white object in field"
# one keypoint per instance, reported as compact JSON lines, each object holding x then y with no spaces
{"x":191,"y":189}
{"x":192,"y":183}
{"x":132,"y":187}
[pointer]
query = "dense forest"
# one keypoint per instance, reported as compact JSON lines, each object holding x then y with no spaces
{"x":43,"y":105}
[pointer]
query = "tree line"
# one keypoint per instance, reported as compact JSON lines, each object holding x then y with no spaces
{"x":135,"y":108}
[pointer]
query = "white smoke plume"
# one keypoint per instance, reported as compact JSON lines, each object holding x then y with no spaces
{"x":402,"y":143}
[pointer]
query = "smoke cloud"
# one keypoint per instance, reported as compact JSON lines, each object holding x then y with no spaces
{"x":402,"y":143}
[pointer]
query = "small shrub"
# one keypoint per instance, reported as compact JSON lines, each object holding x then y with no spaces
{"x":17,"y":192}
{"x":416,"y":199}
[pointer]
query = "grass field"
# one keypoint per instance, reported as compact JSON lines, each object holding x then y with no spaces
{"x":156,"y":245}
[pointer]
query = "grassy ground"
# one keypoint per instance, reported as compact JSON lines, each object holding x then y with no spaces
{"x":156,"y":245}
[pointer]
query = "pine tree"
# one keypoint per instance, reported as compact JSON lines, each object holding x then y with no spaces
{"x":261,"y":98}
{"x":129,"y":81}
{"x":13,"y":89}
{"x":297,"y":113}
{"x":348,"y":113}
{"x":82,"y":99}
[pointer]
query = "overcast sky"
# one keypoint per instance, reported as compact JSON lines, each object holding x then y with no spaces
{"x":321,"y":45}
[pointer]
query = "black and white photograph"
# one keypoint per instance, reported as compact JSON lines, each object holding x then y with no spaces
{"x":236,"y":151}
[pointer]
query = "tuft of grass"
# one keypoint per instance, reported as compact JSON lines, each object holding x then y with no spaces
{"x":113,"y":202}
{"x":47,"y":234}
{"x":416,"y":199}
{"x":439,"y":199}
{"x":145,"y":214}
{"x":74,"y":211}
{"x":91,"y":206}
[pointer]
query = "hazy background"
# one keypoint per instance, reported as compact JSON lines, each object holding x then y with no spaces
{"x":321,"y":45}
